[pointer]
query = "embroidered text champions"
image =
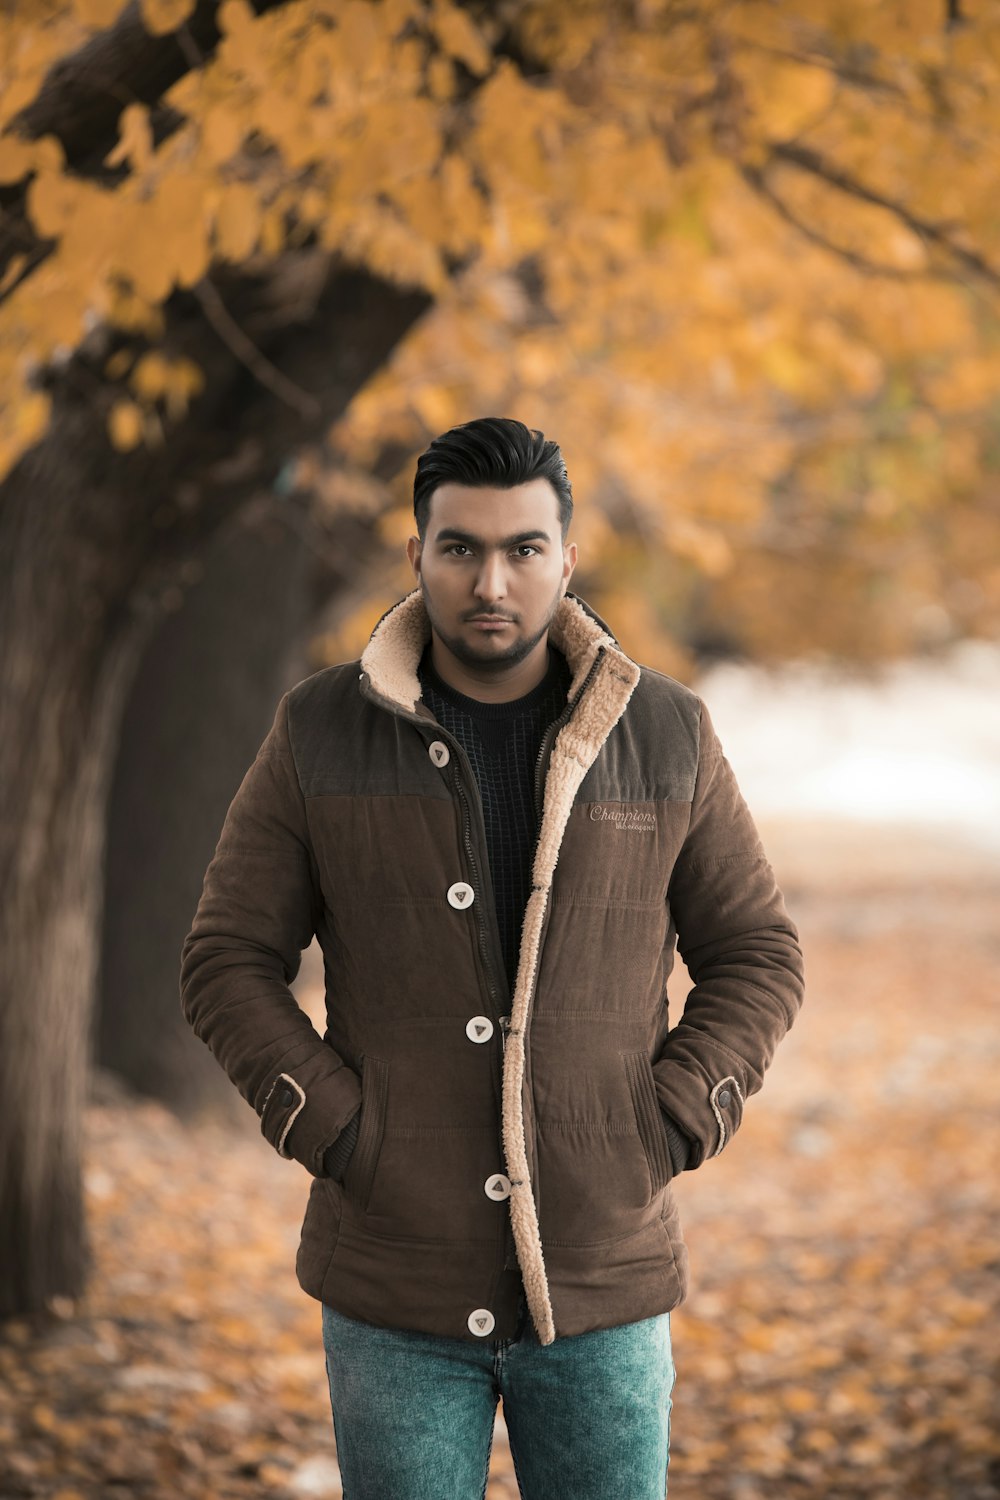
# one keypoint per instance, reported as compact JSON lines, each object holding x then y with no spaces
{"x":628,"y":818}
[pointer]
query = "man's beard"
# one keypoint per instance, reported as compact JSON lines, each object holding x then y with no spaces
{"x":469,"y":656}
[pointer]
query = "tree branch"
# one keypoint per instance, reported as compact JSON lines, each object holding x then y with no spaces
{"x":854,"y":76}
{"x":246,"y":351}
{"x":756,"y":178}
{"x":811,"y":162}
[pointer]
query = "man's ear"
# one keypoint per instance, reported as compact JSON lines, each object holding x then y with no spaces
{"x":414,"y":547}
{"x":569,"y":563}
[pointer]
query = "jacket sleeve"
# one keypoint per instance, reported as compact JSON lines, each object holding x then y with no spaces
{"x":257,"y":912}
{"x":742,"y":952}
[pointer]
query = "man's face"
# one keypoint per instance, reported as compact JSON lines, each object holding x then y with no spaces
{"x":492,"y":569}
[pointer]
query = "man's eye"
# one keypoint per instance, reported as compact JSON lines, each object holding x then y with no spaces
{"x":457,"y":548}
{"x":526,"y":550}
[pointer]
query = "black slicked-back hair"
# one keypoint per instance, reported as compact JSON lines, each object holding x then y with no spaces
{"x":495,"y":452}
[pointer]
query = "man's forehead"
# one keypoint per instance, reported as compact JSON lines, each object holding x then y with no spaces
{"x":493,"y":513}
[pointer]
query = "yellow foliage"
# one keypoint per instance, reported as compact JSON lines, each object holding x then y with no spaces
{"x":30,"y":43}
{"x":17,"y":158}
{"x":708,"y":550}
{"x":235,"y":17}
{"x":15,"y":266}
{"x":135,"y":139}
{"x":124,"y":308}
{"x":351,"y":635}
{"x":57,"y":204}
{"x":98,"y":13}
{"x":162,"y":16}
{"x":125,"y":425}
{"x":119,"y":364}
{"x":557,"y":44}
{"x":180,"y":225}
{"x":440,"y":79}
{"x":513,"y":144}
{"x":460,"y":37}
{"x":960,"y":385}
{"x":175,"y":381}
{"x":700,"y":319}
{"x":787,"y":96}
{"x":222,"y":131}
{"x":32,"y":415}
{"x":435,"y":406}
{"x":237,"y":220}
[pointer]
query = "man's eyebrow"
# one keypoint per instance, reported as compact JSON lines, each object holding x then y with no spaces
{"x":452,"y":534}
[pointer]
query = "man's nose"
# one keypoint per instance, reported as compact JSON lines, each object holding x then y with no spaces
{"x":491,"y":581}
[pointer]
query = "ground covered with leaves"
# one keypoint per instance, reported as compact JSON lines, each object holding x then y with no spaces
{"x":841,"y":1334}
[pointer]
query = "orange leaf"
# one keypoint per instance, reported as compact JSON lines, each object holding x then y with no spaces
{"x":125,"y":425}
{"x":237,"y":221}
{"x":162,"y":16}
{"x":135,"y":139}
{"x":17,"y":158}
{"x":459,"y":36}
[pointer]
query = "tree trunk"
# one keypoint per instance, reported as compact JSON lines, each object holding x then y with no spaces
{"x":200,"y":705}
{"x":64,"y":682}
{"x":92,"y":545}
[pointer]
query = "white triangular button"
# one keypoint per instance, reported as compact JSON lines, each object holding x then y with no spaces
{"x":481,"y":1322}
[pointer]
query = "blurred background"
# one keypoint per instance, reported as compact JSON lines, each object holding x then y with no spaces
{"x":742,"y":261}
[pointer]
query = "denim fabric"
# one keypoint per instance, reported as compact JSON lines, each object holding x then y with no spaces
{"x":413,"y":1414}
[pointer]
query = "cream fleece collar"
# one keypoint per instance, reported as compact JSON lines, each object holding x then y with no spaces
{"x":393,"y":654}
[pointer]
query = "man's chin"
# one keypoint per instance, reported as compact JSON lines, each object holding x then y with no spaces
{"x":486,"y":660}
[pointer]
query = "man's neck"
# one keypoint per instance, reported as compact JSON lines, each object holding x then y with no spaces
{"x":514,"y":681}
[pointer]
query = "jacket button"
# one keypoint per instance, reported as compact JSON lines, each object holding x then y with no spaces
{"x":482,"y":1322}
{"x":498,"y":1186}
{"x":439,"y":752}
{"x":461,"y":894}
{"x":286,"y":1096}
{"x":725,"y":1098}
{"x":479,"y":1029}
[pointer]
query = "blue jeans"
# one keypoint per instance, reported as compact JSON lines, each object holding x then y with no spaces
{"x":588,"y":1415}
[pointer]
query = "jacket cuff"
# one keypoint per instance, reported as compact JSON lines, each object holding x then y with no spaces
{"x":306,"y":1108}
{"x":681,"y":1147}
{"x":336,"y":1157}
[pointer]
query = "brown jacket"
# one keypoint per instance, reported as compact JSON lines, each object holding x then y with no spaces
{"x":497,"y":1134}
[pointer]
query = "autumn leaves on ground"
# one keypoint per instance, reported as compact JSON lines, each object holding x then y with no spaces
{"x":841,"y":1333}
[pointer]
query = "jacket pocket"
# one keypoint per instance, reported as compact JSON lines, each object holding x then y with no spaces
{"x":359,"y":1174}
{"x":648,"y":1119}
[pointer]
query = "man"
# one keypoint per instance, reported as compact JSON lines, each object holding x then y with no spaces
{"x":497,"y":824}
